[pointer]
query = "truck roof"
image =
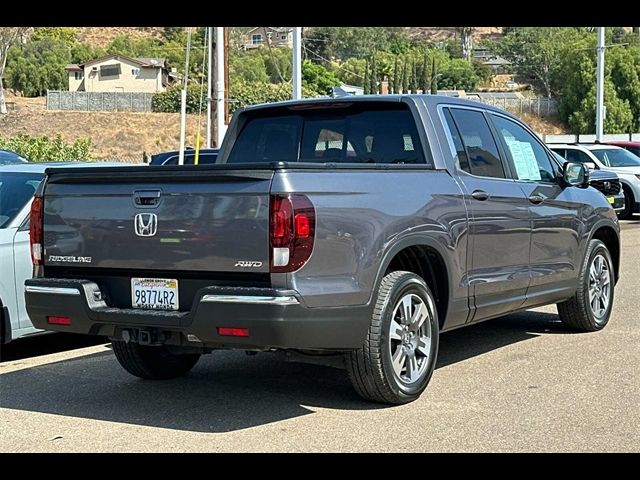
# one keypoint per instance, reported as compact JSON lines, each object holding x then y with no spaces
{"x":429,"y":100}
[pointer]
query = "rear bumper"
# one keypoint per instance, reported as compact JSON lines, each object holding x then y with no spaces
{"x":274,"y":318}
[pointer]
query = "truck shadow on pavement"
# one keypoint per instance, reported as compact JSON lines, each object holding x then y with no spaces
{"x":228,"y":390}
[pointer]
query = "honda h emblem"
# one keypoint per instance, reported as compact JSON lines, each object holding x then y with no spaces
{"x":146,"y":224}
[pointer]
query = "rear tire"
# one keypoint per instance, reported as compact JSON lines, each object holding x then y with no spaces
{"x":590,"y":308}
{"x":399,"y":353}
{"x":152,"y":363}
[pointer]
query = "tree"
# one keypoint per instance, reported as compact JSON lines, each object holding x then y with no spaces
{"x":434,"y":76}
{"x":38,"y":66}
{"x":466,"y":41}
{"x":413,"y":84}
{"x":405,"y":76}
{"x":425,"y":77}
{"x":458,"y":74}
{"x":317,"y":78}
{"x":367,"y":79}
{"x":8,"y":37}
{"x":373,"y":78}
{"x":394,"y":78}
{"x":540,"y":52}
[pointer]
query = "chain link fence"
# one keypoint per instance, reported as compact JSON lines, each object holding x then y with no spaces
{"x":540,"y":106}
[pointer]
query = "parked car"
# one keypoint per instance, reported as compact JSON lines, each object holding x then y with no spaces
{"x":8,"y":157}
{"x":606,"y":182}
{"x":205,"y":156}
{"x":633,"y":147}
{"x":17,"y":185}
{"x":609,"y":158}
{"x":349,"y":231}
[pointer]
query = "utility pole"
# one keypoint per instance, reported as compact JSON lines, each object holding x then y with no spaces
{"x":600,"y":109}
{"x":183,"y":99}
{"x":220,"y":77}
{"x":297,"y":63}
{"x":209,"y":83}
{"x":226,"y":80}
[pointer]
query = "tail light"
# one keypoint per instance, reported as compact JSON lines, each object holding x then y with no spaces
{"x":35,"y":230}
{"x":293,"y":225}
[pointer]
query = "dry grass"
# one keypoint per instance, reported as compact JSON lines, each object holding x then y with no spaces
{"x":114,"y":136}
{"x":102,"y":36}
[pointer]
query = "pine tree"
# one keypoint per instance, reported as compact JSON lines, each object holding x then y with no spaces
{"x":434,"y":77}
{"x":367,"y":83}
{"x":425,"y":78}
{"x":405,"y":77}
{"x":414,"y":78}
{"x":393,"y":84}
{"x":374,"y":75}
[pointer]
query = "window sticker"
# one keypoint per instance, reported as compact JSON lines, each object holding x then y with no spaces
{"x":524,"y":159}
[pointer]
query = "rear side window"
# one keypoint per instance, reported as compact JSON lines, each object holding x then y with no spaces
{"x":383,"y":133}
{"x":481,"y":148}
{"x":577,"y":156}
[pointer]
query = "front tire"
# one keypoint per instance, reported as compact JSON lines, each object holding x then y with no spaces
{"x":152,"y":363}
{"x":398,"y":356}
{"x":629,"y":203}
{"x":590,"y":308}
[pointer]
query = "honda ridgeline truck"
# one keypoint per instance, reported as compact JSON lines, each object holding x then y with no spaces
{"x":347,"y":230}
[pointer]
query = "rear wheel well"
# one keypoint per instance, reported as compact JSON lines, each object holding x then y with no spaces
{"x":607,"y":235}
{"x":427,"y":263}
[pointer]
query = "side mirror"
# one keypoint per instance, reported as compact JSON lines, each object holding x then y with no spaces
{"x":575,"y":174}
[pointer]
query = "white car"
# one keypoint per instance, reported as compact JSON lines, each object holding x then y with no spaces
{"x":613,"y":159}
{"x":18,"y":183}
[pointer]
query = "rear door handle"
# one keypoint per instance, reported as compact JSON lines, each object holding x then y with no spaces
{"x":536,"y":199}
{"x":480,"y":195}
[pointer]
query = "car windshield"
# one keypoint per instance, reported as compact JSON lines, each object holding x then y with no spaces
{"x":7,"y":157}
{"x":16,"y":189}
{"x":616,"y":157}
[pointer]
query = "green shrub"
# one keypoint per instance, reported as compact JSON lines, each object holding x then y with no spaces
{"x":169,"y":101}
{"x":44,"y":149}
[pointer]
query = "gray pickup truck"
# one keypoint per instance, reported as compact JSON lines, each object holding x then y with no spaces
{"x":349,"y":231}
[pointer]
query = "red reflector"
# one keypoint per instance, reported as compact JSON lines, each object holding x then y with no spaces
{"x":302,"y":225}
{"x":233,"y":332}
{"x":59,"y":320}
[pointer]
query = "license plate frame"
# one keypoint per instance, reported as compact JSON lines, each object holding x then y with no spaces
{"x":155,"y":293}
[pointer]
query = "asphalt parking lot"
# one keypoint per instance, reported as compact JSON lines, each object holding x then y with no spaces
{"x":519,"y":383}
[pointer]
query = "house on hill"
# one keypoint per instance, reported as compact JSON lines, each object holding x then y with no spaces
{"x":118,"y":73}
{"x":276,"y":36}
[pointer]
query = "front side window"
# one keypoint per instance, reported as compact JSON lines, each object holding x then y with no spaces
{"x":481,"y":149}
{"x":336,"y":134}
{"x":529,"y":157}
{"x":616,"y":157}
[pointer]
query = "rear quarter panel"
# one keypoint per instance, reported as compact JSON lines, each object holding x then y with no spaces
{"x":361,"y":216}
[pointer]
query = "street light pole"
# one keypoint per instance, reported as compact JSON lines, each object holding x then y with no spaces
{"x":600,"y":109}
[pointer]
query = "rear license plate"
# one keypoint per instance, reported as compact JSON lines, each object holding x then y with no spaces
{"x":154,"y":293}
{"x":611,"y":200}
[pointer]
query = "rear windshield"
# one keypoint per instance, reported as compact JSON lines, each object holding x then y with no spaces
{"x":382,"y":133}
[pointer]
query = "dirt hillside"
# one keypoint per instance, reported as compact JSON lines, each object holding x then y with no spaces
{"x":114,"y":136}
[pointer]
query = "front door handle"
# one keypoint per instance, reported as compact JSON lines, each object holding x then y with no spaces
{"x":536,"y":199}
{"x":480,"y":195}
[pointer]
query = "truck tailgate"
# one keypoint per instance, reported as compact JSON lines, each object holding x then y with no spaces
{"x":148,"y":218}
